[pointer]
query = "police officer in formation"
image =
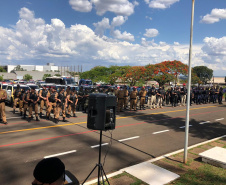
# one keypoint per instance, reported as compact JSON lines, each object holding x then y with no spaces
{"x":3,"y":97}
{"x":43,"y":99}
{"x":66,"y":101}
{"x":52,"y":104}
{"x":133,"y":99}
{"x":72,"y":100}
{"x":142,"y":95}
{"x":61,"y":105}
{"x":160,"y":97}
{"x":17,"y":95}
{"x":33,"y":99}
{"x":152,"y":97}
{"x":120,"y":96}
{"x":25,"y":102}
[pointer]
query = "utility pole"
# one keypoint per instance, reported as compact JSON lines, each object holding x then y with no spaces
{"x":189,"y":86}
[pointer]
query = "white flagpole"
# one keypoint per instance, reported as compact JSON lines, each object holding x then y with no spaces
{"x":189,"y":86}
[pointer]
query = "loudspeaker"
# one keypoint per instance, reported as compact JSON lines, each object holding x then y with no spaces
{"x":101,"y":112}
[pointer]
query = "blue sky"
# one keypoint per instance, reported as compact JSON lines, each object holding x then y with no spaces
{"x":112,"y":32}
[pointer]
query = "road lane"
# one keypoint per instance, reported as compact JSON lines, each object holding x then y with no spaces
{"x":34,"y":144}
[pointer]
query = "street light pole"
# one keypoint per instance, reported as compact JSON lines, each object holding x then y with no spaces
{"x":189,"y":86}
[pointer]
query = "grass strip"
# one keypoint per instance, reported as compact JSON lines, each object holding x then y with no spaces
{"x":204,"y":175}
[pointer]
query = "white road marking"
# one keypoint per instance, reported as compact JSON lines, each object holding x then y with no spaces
{"x":219,"y":119}
{"x":160,"y":131}
{"x":128,"y":138}
{"x":64,"y":153}
{"x":95,"y":146}
{"x":204,"y":122}
{"x":184,"y":126}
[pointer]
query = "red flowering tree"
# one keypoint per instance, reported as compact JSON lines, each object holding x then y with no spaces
{"x":173,"y":69}
{"x":134,"y":74}
{"x":150,"y":72}
{"x":166,"y":71}
{"x":162,"y":75}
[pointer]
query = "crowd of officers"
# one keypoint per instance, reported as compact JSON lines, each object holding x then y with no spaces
{"x":174,"y":96}
{"x":67,"y":101}
{"x":63,"y":102}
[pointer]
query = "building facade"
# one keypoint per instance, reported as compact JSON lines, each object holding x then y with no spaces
{"x":50,"y":67}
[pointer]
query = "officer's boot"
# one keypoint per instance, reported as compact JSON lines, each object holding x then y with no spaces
{"x":64,"y":119}
{"x":21,"y":113}
{"x":74,"y":115}
{"x":13,"y":111}
{"x":47,"y":117}
{"x":37,"y":118}
{"x":24,"y":115}
{"x":29,"y":119}
{"x":56,"y":120}
{"x":40,"y":114}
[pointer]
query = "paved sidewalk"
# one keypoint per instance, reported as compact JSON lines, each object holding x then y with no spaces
{"x":164,"y":169}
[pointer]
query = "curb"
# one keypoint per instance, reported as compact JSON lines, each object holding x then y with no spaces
{"x":156,"y":159}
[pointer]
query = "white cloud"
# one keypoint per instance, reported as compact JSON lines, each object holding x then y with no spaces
{"x":81,"y":5}
{"x":214,"y":46}
{"x":123,"y":36}
{"x":176,"y":43}
{"x":118,"y":21}
{"x":162,"y":43}
{"x":214,"y":54}
{"x":32,"y":40}
{"x":101,"y":26}
{"x":119,"y":7}
{"x":215,"y":16}
{"x":147,"y":17}
{"x":160,"y":4}
{"x":151,"y":33}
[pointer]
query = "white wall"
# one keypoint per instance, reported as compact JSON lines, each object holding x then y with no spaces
{"x":54,"y":68}
{"x":39,"y":68}
{"x":10,"y":68}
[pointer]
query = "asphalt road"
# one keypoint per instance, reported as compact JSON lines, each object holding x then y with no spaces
{"x":139,"y":136}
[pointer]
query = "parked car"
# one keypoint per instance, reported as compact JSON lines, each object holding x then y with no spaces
{"x":58,"y":87}
{"x":10,"y":90}
{"x":4,"y":85}
{"x":31,"y":85}
{"x":75,"y":88}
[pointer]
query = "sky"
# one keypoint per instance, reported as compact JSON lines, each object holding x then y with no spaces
{"x":112,"y":32}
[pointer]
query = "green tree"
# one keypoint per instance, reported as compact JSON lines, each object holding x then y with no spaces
{"x":57,"y":75}
{"x":27,"y":77}
{"x":1,"y":78}
{"x":116,"y":73}
{"x":45,"y":76}
{"x":72,"y":73}
{"x":18,"y":68}
{"x":204,"y":73}
{"x":103,"y":74}
{"x":2,"y":70}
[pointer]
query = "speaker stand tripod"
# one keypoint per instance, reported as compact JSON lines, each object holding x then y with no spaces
{"x":101,"y":172}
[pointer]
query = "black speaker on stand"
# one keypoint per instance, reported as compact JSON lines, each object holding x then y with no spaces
{"x":101,"y":116}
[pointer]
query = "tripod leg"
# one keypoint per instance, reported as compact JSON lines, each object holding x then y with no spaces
{"x":102,"y":169}
{"x":90,"y":174}
{"x":102,"y":177}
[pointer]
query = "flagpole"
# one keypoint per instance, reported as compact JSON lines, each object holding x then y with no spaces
{"x":189,"y":86}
